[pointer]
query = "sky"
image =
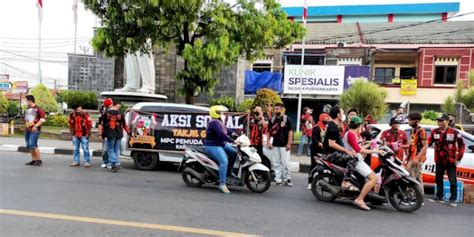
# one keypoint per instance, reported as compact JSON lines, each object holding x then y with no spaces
{"x":19,"y":34}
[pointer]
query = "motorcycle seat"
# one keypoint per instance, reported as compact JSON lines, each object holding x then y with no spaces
{"x":199,"y":149}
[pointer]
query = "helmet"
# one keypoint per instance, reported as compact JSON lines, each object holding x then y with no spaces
{"x":216,"y":110}
{"x":356,"y":120}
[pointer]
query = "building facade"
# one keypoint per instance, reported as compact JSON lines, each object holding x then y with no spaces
{"x":91,"y":73}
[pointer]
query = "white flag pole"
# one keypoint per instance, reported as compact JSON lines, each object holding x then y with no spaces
{"x":40,"y":19}
{"x":74,"y":8}
{"x":298,"y":119}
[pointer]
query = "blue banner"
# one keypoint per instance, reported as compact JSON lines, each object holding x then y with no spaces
{"x":354,"y":72}
{"x":255,"y":81}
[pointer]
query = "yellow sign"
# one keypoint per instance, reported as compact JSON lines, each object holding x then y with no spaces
{"x":408,"y":86}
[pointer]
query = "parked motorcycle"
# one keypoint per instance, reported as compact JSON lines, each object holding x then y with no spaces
{"x":197,"y":168}
{"x":401,"y":190}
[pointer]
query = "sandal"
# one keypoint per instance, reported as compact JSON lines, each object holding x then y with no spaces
{"x":362,"y":206}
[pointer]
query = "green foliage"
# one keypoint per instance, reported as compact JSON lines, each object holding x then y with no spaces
{"x":449,"y":106}
{"x":266,"y":96}
{"x":465,"y":95}
{"x":44,"y":99}
{"x":208,"y":35}
{"x":428,"y":122}
{"x":245,"y":106}
{"x":13,"y":108}
{"x":228,"y":102}
{"x":3,"y":104}
{"x":123,"y":108}
{"x":367,"y":97}
{"x":87,"y":100}
{"x":430,"y":115}
{"x":57,"y":120}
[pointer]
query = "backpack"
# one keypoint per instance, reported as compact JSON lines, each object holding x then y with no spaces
{"x":113,"y":121}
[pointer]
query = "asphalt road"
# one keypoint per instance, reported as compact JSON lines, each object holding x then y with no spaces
{"x":57,"y":200}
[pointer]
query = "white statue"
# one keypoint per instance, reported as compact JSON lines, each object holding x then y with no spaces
{"x":139,"y":65}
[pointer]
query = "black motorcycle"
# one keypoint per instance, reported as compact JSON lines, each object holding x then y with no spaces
{"x":401,"y":190}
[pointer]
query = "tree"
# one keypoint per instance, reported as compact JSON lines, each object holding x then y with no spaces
{"x":87,"y":100}
{"x":227,"y":101}
{"x":208,"y":35}
{"x":367,"y":97}
{"x":245,"y":106}
{"x":3,"y":104}
{"x":44,"y":98}
{"x":449,"y":106}
{"x":266,"y":96}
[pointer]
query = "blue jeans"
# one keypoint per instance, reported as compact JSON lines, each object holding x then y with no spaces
{"x":224,"y":156}
{"x":31,"y":139}
{"x":113,"y":151}
{"x":78,"y":142}
{"x":105,"y":157}
{"x":303,"y":141}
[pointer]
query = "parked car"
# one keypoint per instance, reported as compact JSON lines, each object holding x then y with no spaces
{"x":465,"y":170}
{"x":148,"y":159}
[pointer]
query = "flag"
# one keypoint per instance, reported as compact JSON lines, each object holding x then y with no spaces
{"x":39,"y":4}
{"x":305,"y":10}
{"x":74,"y":9}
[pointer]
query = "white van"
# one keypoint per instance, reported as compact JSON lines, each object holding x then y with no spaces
{"x":149,"y":159}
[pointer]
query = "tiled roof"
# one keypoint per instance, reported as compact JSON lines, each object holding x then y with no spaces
{"x":451,"y":32}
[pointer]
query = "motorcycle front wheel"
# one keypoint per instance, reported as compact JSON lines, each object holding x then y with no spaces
{"x":319,"y":192}
{"x":260,"y":183}
{"x":407,"y":198}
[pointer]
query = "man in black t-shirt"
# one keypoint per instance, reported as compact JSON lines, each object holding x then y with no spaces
{"x":332,"y":140}
{"x":280,"y":140}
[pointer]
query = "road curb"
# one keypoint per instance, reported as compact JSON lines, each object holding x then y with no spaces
{"x":294,"y":166}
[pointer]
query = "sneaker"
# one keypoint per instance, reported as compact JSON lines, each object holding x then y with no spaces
{"x":436,"y":199}
{"x":308,"y":187}
{"x":289,"y":183}
{"x":38,"y":163}
{"x":115,"y":168}
{"x":87,"y":164}
{"x":453,"y":203}
{"x":278,"y":183}
{"x":109,"y":166}
{"x":30,"y":163}
{"x":74,"y":164}
{"x":103,"y":166}
{"x":223,"y":189}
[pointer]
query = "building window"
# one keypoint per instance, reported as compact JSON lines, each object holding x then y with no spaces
{"x":308,"y":60}
{"x":445,"y":75}
{"x":262,"y":67}
{"x":407,"y":72}
{"x":384,"y":75}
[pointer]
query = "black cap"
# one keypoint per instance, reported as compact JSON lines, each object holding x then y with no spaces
{"x":443,"y":117}
{"x":394,"y":121}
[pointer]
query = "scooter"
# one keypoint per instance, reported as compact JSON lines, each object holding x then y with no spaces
{"x":198,"y":169}
{"x":401,"y":190}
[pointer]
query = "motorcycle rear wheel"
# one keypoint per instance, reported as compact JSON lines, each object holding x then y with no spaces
{"x":264,"y":179}
{"x":318,"y":190}
{"x":406,"y":198}
{"x":190,"y":180}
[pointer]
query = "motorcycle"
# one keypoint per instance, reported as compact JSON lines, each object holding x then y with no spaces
{"x":402,"y":191}
{"x":197,"y":168}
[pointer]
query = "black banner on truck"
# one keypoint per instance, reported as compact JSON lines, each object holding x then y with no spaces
{"x":174,"y":131}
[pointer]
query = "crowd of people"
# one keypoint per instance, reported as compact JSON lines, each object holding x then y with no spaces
{"x":271,"y":133}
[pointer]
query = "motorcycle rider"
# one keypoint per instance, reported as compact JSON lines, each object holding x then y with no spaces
{"x":216,"y":145}
{"x":351,"y":141}
{"x":317,"y":142}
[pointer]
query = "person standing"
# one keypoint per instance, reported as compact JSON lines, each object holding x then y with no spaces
{"x":449,"y":150}
{"x":34,"y":118}
{"x":307,"y":124}
{"x":350,"y":114}
{"x":280,"y":140}
{"x":418,"y":147}
{"x":114,"y":125}
{"x":317,"y":137}
{"x":258,"y":127}
{"x":396,"y":139}
{"x":105,"y":106}
{"x":80,"y":126}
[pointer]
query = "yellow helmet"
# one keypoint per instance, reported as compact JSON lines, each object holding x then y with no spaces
{"x":216,"y":110}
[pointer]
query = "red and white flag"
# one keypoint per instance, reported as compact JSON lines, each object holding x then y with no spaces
{"x":305,"y":10}
{"x":39,"y":4}
{"x":74,"y":9}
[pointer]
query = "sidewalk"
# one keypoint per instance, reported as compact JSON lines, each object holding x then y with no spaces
{"x":61,"y":147}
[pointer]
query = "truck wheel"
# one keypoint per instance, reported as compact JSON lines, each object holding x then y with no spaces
{"x":145,"y":160}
